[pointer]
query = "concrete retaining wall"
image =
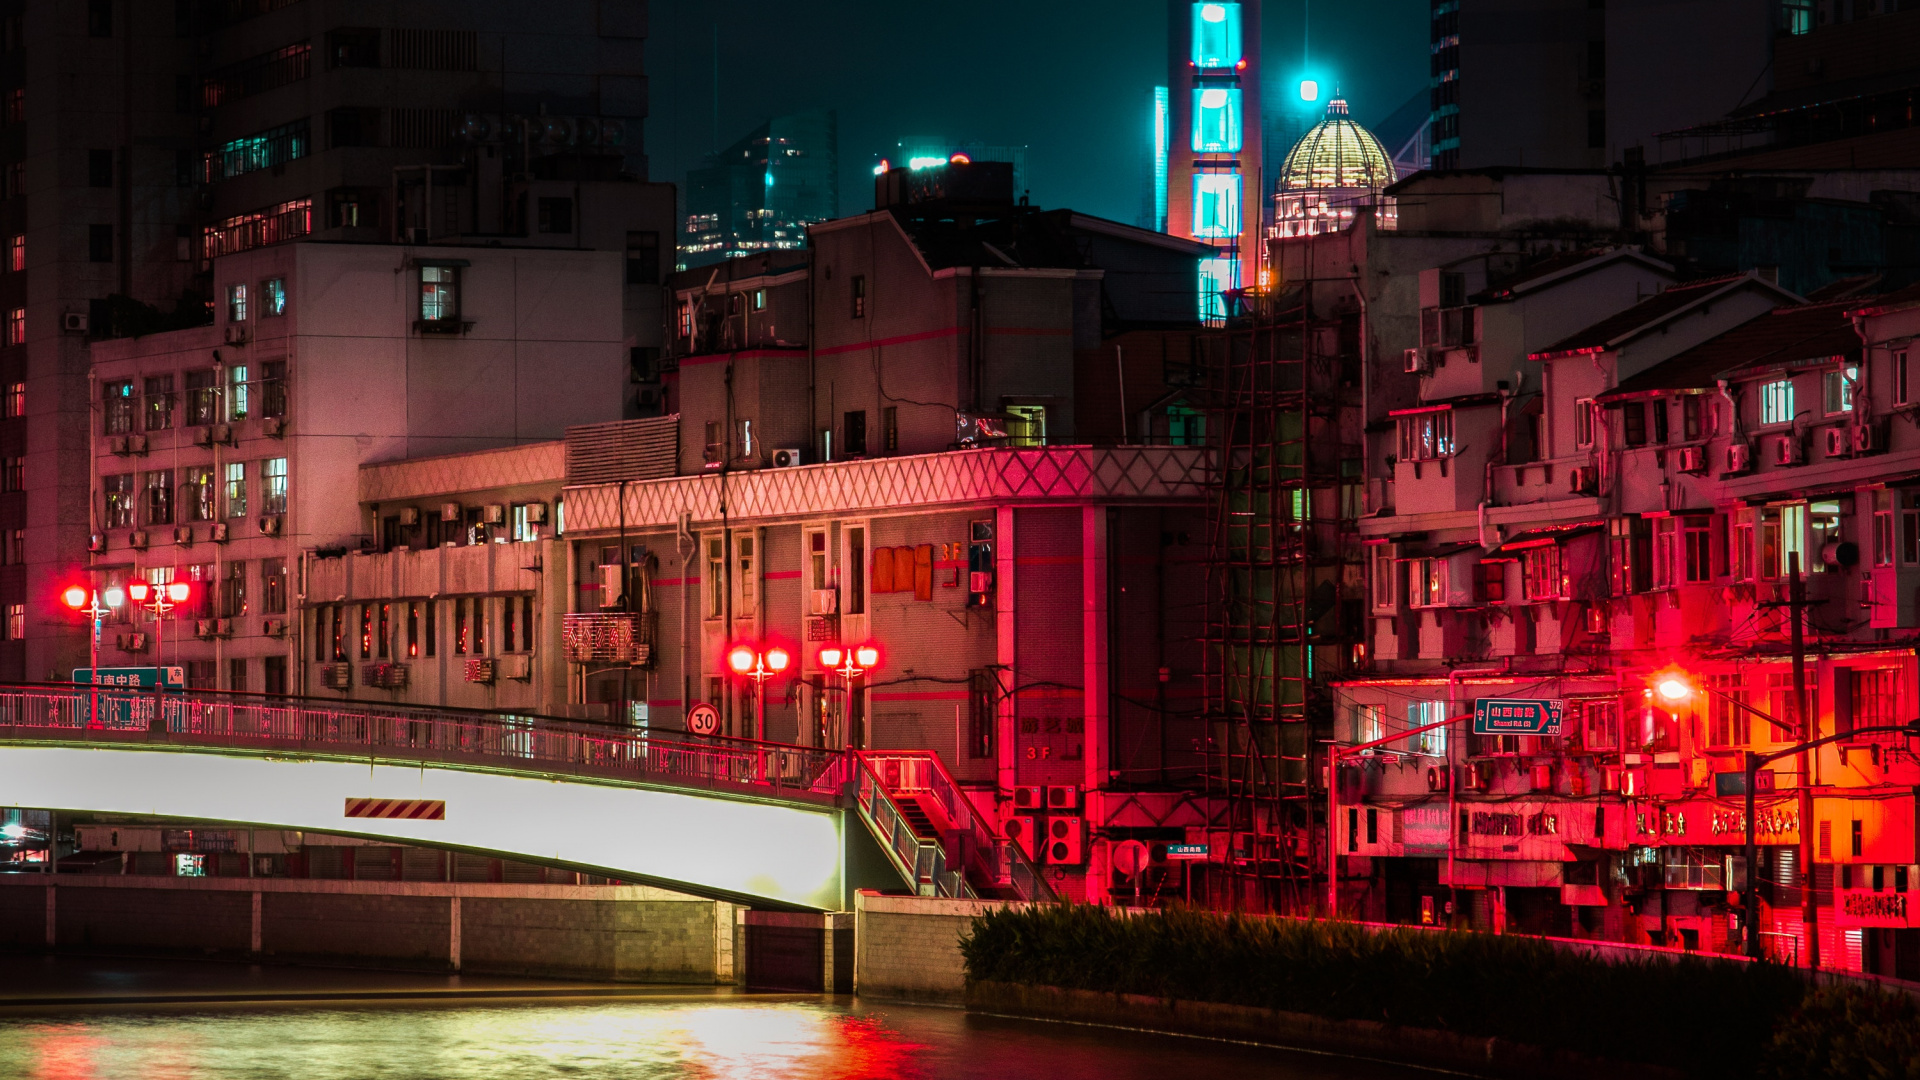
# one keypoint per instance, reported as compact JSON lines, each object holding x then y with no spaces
{"x":908,"y":947}
{"x":628,"y":933}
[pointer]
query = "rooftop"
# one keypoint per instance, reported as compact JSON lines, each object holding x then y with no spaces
{"x":1621,"y":327}
{"x":1785,"y":335}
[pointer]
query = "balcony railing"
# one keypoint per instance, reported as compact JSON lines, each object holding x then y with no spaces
{"x":608,"y":638}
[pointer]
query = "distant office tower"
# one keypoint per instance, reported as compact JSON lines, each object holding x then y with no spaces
{"x":761,"y":193}
{"x":1572,"y":84}
{"x":1214,"y":153}
{"x":926,"y":151}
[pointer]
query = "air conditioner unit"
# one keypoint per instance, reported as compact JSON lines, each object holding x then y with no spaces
{"x":337,"y":676}
{"x":1416,"y":362}
{"x":1029,"y":798}
{"x":1583,"y":479}
{"x":223,"y":628}
{"x":137,"y":444}
{"x":97,"y":543}
{"x":117,"y":445}
{"x":537,"y":513}
{"x":274,"y":627}
{"x":270,"y":525}
{"x":409,"y":516}
{"x":786,"y":459}
{"x":1437,"y":778}
{"x":1066,"y":841}
{"x":1023,"y":830}
{"x":219,"y":532}
{"x":203,"y":628}
{"x":137,"y":539}
{"x":1476,"y":776}
{"x":1063,"y":797}
{"x":518,"y":666}
{"x":1739,"y":459}
{"x":135,"y":642}
{"x":183,"y":535}
{"x":1789,"y":450}
{"x":480,"y":671}
{"x":1693,"y":459}
{"x":496,"y":514}
{"x":1869,"y":439}
{"x":236,"y":334}
{"x":450,"y":511}
{"x":1839,"y":442}
{"x":73,"y":322}
{"x":203,"y":436}
{"x":823,"y":601}
{"x":274,"y":427}
{"x":222,"y":433}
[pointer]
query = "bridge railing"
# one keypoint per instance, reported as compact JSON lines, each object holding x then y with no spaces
{"x":244,"y":720}
{"x":924,"y":862}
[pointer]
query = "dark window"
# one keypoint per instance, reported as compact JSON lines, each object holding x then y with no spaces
{"x":353,"y":127}
{"x":188,"y":167}
{"x":1690,"y":416}
{"x":100,"y":168}
{"x":1659,"y":408}
{"x":353,"y":47}
{"x":99,"y":18}
{"x":433,"y":626}
{"x":1633,"y":423}
{"x":859,"y":296}
{"x":186,"y":95}
{"x":273,"y":388}
{"x":1596,"y":59}
{"x":274,"y":670}
{"x":643,"y":258}
{"x":854,"y":436}
{"x":1596,"y":129}
{"x":100,"y":243}
{"x":556,"y":215}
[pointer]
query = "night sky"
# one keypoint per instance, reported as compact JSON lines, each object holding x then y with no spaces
{"x":1071,"y":81}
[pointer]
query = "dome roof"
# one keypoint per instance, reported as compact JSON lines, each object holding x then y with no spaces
{"x":1337,"y":153}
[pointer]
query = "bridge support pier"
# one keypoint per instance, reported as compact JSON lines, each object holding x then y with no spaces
{"x":52,"y":925}
{"x":453,"y":932}
{"x":253,"y":939}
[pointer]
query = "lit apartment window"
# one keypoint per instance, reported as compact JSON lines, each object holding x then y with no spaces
{"x":1776,"y":402}
{"x":1883,"y":527}
{"x":273,"y":486}
{"x":15,"y":401}
{"x":118,"y":503}
{"x":1421,"y":713}
{"x":716,"y":576}
{"x":439,"y":295}
{"x":197,"y":491}
{"x":13,"y":474}
{"x":747,"y":593}
{"x":1599,"y":724}
{"x":1540,"y":573}
{"x":1385,"y":575}
{"x":203,"y":397}
{"x":16,"y":622}
{"x":273,"y":586}
{"x":1696,"y":535}
{"x":17,"y":326}
{"x":273,"y":296}
{"x":237,"y":392}
{"x":160,"y":497}
{"x":1583,"y":423}
{"x":1839,"y":389}
{"x":1427,"y":583}
{"x":117,"y":406}
{"x":236,"y":489}
{"x":17,"y":252}
{"x":159,"y":401}
{"x":1368,"y":724}
{"x":686,"y":318}
{"x":236,"y":303}
{"x":233,"y":591}
{"x":1425,"y":436}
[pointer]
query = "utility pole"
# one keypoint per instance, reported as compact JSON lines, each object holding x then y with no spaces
{"x":1803,"y":721}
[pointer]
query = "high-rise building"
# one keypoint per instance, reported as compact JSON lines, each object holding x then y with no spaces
{"x":761,"y":193}
{"x":1214,"y":153}
{"x":145,"y":141}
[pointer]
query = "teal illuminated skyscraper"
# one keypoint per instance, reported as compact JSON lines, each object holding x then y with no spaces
{"x":1213,"y":182}
{"x":761,"y":193}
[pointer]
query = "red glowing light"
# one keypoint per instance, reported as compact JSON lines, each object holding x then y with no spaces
{"x":831,"y":655}
{"x":960,"y":159}
{"x":866,"y":656}
{"x":138,"y":591}
{"x":76,"y":597}
{"x":740,"y":659}
{"x":777,"y":659}
{"x":178,"y":591}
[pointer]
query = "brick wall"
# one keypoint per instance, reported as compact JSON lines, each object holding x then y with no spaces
{"x":908,"y":947}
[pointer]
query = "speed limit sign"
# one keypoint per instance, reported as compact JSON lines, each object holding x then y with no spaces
{"x":703,"y":719}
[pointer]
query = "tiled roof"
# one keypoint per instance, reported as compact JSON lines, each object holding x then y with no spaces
{"x":1604,"y":333}
{"x":1782,"y":336}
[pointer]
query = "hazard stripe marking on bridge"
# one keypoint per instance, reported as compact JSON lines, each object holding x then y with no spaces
{"x":412,"y":809}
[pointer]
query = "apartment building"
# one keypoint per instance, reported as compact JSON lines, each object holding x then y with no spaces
{"x":230,"y":455}
{"x":142,"y":142}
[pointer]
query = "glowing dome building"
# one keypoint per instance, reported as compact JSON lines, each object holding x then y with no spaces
{"x":1335,"y":168}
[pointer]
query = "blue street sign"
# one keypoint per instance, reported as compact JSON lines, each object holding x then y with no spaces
{"x":133,"y":678}
{"x":1517,"y":716}
{"x":1186,"y":851}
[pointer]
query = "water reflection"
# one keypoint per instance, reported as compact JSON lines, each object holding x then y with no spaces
{"x":669,"y":1038}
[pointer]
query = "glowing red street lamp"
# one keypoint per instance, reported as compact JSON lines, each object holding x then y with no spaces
{"x":96,"y":604}
{"x":849,"y":662}
{"x":758,"y":665}
{"x":159,"y":599}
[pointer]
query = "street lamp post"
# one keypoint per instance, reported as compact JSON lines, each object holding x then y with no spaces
{"x":849,"y":662}
{"x":159,"y":599}
{"x":758,"y":665}
{"x":96,"y":604}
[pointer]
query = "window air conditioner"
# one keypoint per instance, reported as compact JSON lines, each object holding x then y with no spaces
{"x":1869,"y":439}
{"x":1415,"y":361}
{"x":274,"y":627}
{"x":409,"y":516}
{"x":537,"y":513}
{"x":1066,"y":841}
{"x":137,"y":539}
{"x":236,"y":334}
{"x":496,"y":514}
{"x":222,"y":433}
{"x":220,"y":532}
{"x":97,"y":543}
{"x":274,"y":427}
{"x":1739,"y":459}
{"x":337,"y":676}
{"x":1029,"y":798}
{"x":1693,"y":459}
{"x":223,"y":627}
{"x":270,"y":525}
{"x":137,"y":444}
{"x":1789,"y":450}
{"x":203,"y":436}
{"x":135,"y":642}
{"x":450,"y":511}
{"x":1583,"y":479}
{"x":203,"y":628}
{"x":518,"y":666}
{"x":824,"y":601}
{"x":480,"y":671}
{"x":73,"y":322}
{"x":117,"y":445}
{"x":183,"y":535}
{"x":1063,"y":797}
{"x":1839,"y":442}
{"x":786,"y":459}
{"x":1436,"y":778}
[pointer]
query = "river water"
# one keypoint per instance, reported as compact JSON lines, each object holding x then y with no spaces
{"x":669,"y":1034}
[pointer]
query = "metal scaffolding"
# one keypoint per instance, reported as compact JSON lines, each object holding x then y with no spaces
{"x":1283,"y":584}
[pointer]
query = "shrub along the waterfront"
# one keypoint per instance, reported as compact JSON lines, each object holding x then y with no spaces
{"x":1709,"y":1018}
{"x":1848,"y":1033}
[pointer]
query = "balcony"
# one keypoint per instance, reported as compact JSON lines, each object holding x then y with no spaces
{"x":476,"y":568}
{"x":610,"y":638}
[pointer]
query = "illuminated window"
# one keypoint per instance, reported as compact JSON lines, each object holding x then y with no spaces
{"x":1839,"y":387}
{"x":439,"y":294}
{"x":15,"y":401}
{"x":236,"y":489}
{"x":1216,"y":205}
{"x":716,"y":577}
{"x":237,"y":392}
{"x":1217,"y":276}
{"x":17,"y":252}
{"x":119,"y":500}
{"x":1421,"y":713}
{"x":17,"y":326}
{"x":1368,"y":724}
{"x":273,"y":296}
{"x":1776,"y":402}
{"x":1216,"y":120}
{"x":236,"y":303}
{"x":273,"y":486}
{"x":1216,"y":35}
{"x":117,"y":402}
{"x":1425,"y":436}
{"x":1541,"y":577}
{"x":1427,"y":583}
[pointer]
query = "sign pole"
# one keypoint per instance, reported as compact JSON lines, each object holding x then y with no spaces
{"x":1749,"y":898}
